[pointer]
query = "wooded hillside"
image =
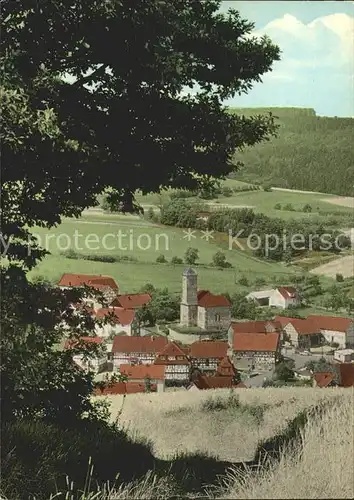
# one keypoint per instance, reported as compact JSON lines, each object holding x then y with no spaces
{"x":310,"y":153}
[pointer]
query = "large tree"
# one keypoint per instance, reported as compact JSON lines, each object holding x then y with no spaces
{"x":94,"y":96}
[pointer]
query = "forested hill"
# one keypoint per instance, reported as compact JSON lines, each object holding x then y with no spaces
{"x":310,"y":153}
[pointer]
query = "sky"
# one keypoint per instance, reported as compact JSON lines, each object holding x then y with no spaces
{"x":317,"y":62}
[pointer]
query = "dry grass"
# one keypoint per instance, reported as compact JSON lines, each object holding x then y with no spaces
{"x":321,"y":466}
{"x":176,"y":422}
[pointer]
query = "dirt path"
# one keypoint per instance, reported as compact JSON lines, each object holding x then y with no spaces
{"x":344,"y":266}
{"x":342,"y":201}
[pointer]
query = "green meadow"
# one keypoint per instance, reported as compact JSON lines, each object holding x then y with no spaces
{"x":136,"y":238}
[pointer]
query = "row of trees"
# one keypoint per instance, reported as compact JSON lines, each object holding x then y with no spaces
{"x":272,"y":238}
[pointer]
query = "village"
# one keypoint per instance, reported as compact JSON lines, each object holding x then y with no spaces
{"x":317,"y":351}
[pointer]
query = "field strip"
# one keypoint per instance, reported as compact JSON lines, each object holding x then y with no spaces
{"x":113,"y":223}
{"x":344,"y":266}
{"x":343,"y":201}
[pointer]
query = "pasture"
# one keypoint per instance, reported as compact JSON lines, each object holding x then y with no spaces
{"x":135,"y":238}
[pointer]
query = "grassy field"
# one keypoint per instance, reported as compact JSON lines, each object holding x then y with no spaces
{"x":96,"y":234}
{"x":264,"y":202}
{"x":185,"y":422}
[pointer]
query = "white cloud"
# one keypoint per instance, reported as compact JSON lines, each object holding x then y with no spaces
{"x":326,"y":43}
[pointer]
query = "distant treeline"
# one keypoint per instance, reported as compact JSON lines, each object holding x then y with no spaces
{"x":310,"y":153}
{"x":245,"y":223}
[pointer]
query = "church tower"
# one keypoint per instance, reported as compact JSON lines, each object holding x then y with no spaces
{"x":189,"y":302}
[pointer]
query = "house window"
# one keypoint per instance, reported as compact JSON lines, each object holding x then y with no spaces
{"x":171,"y":358}
{"x":207,"y":362}
{"x":217,"y":317}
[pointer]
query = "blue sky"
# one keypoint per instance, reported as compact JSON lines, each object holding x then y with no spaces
{"x":317,"y":43}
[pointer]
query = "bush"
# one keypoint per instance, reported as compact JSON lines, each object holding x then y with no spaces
{"x":70,"y":254}
{"x":226,"y":191}
{"x":288,"y":208}
{"x":339,"y":277}
{"x":191,"y":256}
{"x":307,"y":208}
{"x":267,"y":187}
{"x":277,"y":206}
{"x":243,"y":281}
{"x":219,"y":260}
{"x":161,"y":259}
{"x":260,"y":281}
{"x":176,"y":260}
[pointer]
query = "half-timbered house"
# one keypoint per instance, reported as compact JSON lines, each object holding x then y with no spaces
{"x":206,"y":355}
{"x":135,"y":349}
{"x":176,"y":362}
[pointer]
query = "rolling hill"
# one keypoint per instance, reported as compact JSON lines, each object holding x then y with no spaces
{"x":310,"y":152}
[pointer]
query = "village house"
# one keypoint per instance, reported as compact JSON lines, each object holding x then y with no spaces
{"x":205,"y":382}
{"x":342,"y":375}
{"x":104,"y":284}
{"x":303,"y":333}
{"x":131,"y":301}
{"x":123,"y":388}
{"x":94,"y":362}
{"x":226,"y":368}
{"x":256,"y":350}
{"x":336,"y":330}
{"x":202,"y":308}
{"x":206,"y":355}
{"x":282,"y":297}
{"x":175,"y":362}
{"x":120,"y":320}
{"x":135,"y":349}
{"x":140,"y":373}
{"x":252,"y":327}
{"x":344,"y":355}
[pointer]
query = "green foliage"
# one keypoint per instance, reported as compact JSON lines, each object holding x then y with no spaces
{"x":283,"y":372}
{"x":307,"y":208}
{"x":219,"y":260}
{"x":277,"y":206}
{"x":161,"y":259}
{"x":191,"y":256}
{"x":176,"y":260}
{"x":339,"y":278}
{"x":288,"y":207}
{"x":226,"y":191}
{"x":243,"y":308}
{"x":310,"y":153}
{"x":243,"y":281}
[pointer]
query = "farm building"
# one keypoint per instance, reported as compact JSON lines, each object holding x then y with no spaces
{"x":104,"y":284}
{"x":256,"y":350}
{"x":342,"y":375}
{"x":135,"y":349}
{"x":252,"y":327}
{"x":206,"y":355}
{"x":139,"y":373}
{"x":303,"y":333}
{"x":131,"y":301}
{"x":94,"y":362}
{"x":175,"y":361}
{"x":202,"y":308}
{"x":335,"y":329}
{"x":344,"y":355}
{"x":119,"y":388}
{"x":281,"y":297}
{"x":204,"y":382}
{"x":121,"y":320}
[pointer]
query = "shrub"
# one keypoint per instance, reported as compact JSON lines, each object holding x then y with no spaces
{"x":288,"y":208}
{"x":277,"y":206}
{"x":161,"y":259}
{"x":191,"y":256}
{"x":307,"y":208}
{"x":226,"y":191}
{"x":70,"y":254}
{"x":243,"y":281}
{"x":260,"y":281}
{"x":267,"y":187}
{"x":176,"y":260}
{"x":219,"y":260}
{"x":339,"y":277}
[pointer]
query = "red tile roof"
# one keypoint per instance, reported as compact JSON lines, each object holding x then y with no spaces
{"x":204,"y":382}
{"x":288,"y":292}
{"x":131,"y":301}
{"x":207,"y":299}
{"x":304,"y":326}
{"x":208,"y":349}
{"x":140,"y":372}
{"x":333,"y":323}
{"x":323,"y":379}
{"x":172,"y":350}
{"x":283,"y":320}
{"x":124,"y":388}
{"x":253,"y":326}
{"x":86,"y":340}
{"x":135,"y":344}
{"x":119,"y":315}
{"x":346,"y":374}
{"x":226,"y":368}
{"x":264,"y":342}
{"x":95,"y":281}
